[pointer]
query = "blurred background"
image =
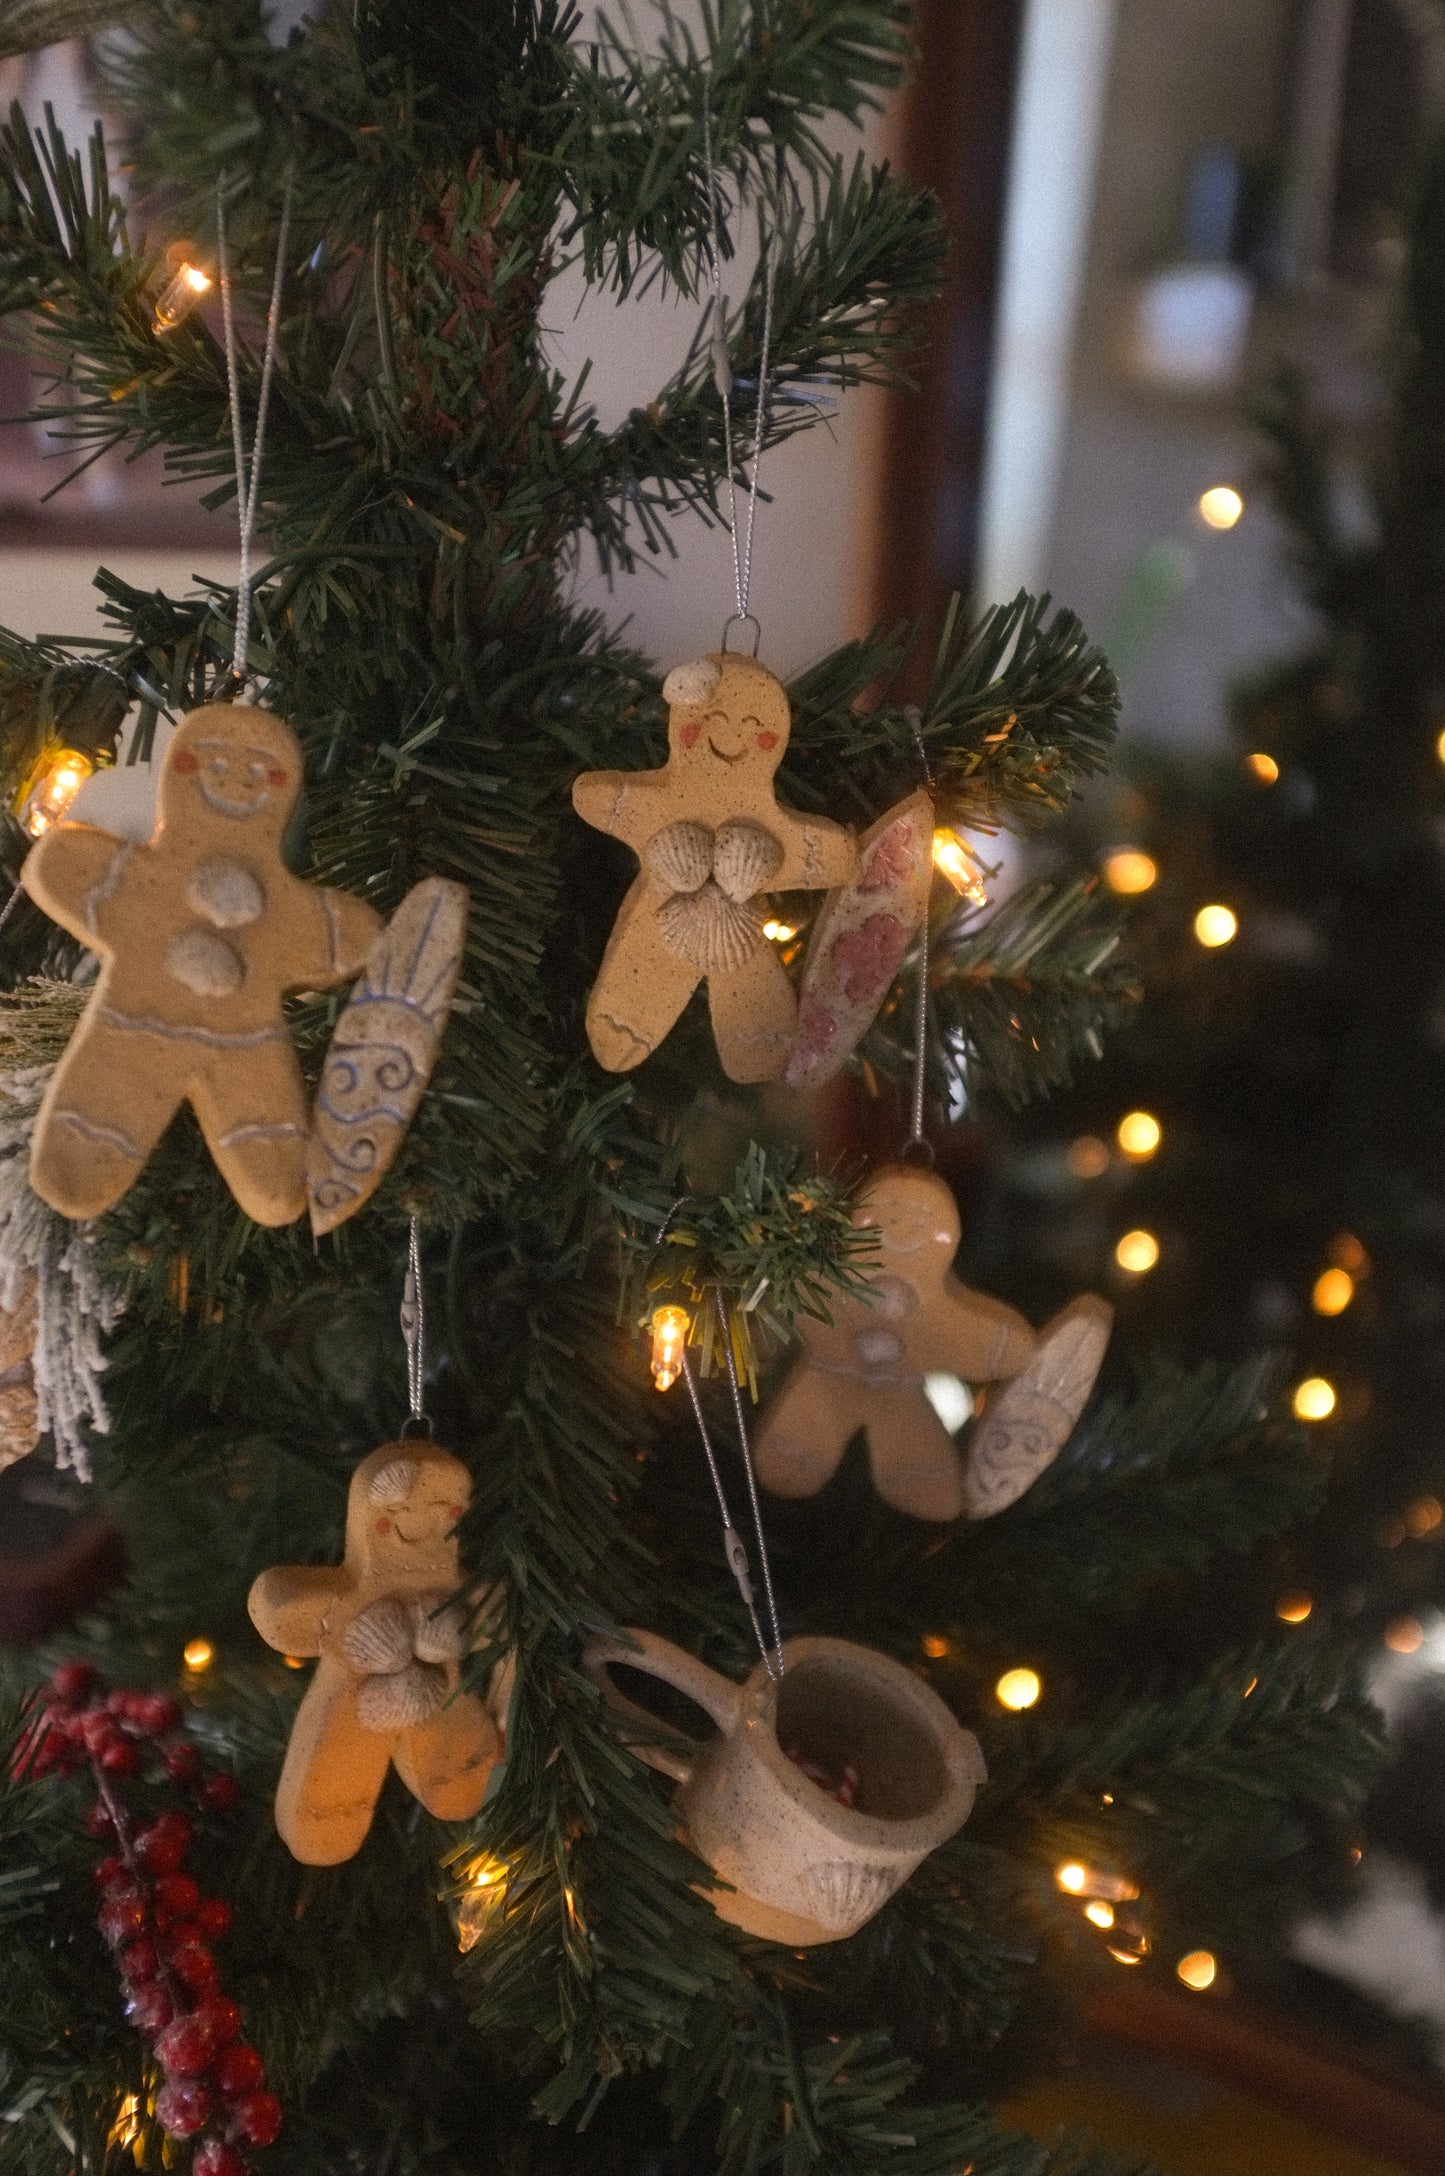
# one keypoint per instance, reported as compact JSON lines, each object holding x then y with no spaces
{"x":1188,"y":375}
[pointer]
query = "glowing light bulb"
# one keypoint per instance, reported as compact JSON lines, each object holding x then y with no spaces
{"x":669,"y":1336}
{"x":1130,"y":1956}
{"x":1333,"y":1291}
{"x":1019,"y":1689}
{"x":1347,"y":1252}
{"x":1216,"y":926}
{"x":198,"y":1655}
{"x":1406,"y":1636}
{"x":1294,"y":1608}
{"x":1088,"y":1157}
{"x":294,"y":1662}
{"x":957,"y":861}
{"x":1424,"y":1516}
{"x":483,"y":1901}
{"x":1440,"y":747}
{"x":180,"y":295}
{"x":1073,"y":1877}
{"x":51,"y":787}
{"x":1139,"y":1135}
{"x":779,"y":932}
{"x":1264,"y":768}
{"x":1221,"y":506}
{"x":1129,"y":872}
{"x":1198,"y":1970}
{"x":1315,"y":1399}
{"x":1099,"y":1914}
{"x":1092,"y":1881}
{"x":936,"y":1647}
{"x":1137,"y":1252}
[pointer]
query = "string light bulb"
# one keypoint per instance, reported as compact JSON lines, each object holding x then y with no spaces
{"x":1199,"y":1970}
{"x":936,"y":1647}
{"x":1019,"y":1689}
{"x":1406,"y":1636}
{"x":1139,"y":1135}
{"x":198,"y":1655}
{"x":1076,"y":1879}
{"x":1315,"y":1399}
{"x":1215,"y":926}
{"x":180,"y":295}
{"x":51,"y":786}
{"x":1129,"y":872}
{"x":1334,"y":1289}
{"x":670,"y":1326}
{"x":1294,"y":1608}
{"x":1221,"y":507}
{"x":956,"y":860}
{"x":1098,"y":1913}
{"x":779,"y":932}
{"x":1262,"y":768}
{"x":1137,"y":1253}
{"x":1424,"y":1516}
{"x":482,"y":1902}
{"x":1088,"y":1157}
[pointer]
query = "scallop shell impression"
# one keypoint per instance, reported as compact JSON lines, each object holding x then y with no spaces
{"x":379,"y":1638}
{"x":688,"y":686}
{"x":680,"y":857}
{"x":745,"y":859}
{"x":709,"y":930}
{"x":402,"y":1698}
{"x":438,"y":1627}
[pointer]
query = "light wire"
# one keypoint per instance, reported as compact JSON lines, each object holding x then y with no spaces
{"x":248,"y":481}
{"x":413,"y":1324}
{"x":733,"y":1543}
{"x":742,"y":544}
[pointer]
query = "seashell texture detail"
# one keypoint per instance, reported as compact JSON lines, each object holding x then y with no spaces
{"x":394,"y":1483}
{"x":680,"y":857}
{"x":745,"y":859}
{"x":226,"y":893}
{"x":438,"y":1629}
{"x":710,"y":931}
{"x":844,"y":1894}
{"x":379,"y":1639}
{"x":689,"y":686}
{"x":402,"y":1698}
{"x":203,"y":962}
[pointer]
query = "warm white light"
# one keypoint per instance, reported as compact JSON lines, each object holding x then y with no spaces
{"x":1129,"y":872}
{"x":1216,"y":926}
{"x":180,"y":296}
{"x":1315,"y":1399}
{"x":669,"y":1336}
{"x":1198,"y":1970}
{"x":1333,"y":1291}
{"x":957,"y":862}
{"x":779,"y":932}
{"x":1088,"y":1157}
{"x":1073,"y":1877}
{"x":1019,"y":1689}
{"x":1294,"y":1608}
{"x":1406,"y":1636}
{"x":1137,"y":1252}
{"x":48,"y":792}
{"x":1099,"y":1914}
{"x":1221,"y":506}
{"x":1139,"y":1135}
{"x":1264,"y":768}
{"x":198,"y":1654}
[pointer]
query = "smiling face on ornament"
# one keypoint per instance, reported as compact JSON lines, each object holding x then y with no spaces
{"x":413,"y":1506}
{"x":916,"y":1219}
{"x":234,"y":763}
{"x":727,"y":716}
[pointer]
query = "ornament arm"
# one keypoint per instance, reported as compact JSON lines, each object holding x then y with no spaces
{"x":817,"y":855}
{"x":976,"y":1337}
{"x":289,"y":1605}
{"x":72,"y":871}
{"x":628,"y":805}
{"x":342,"y":935}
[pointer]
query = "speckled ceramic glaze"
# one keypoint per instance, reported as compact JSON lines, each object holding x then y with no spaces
{"x":801,"y":1867}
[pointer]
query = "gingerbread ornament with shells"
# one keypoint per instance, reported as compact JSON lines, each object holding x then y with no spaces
{"x":713,"y":841}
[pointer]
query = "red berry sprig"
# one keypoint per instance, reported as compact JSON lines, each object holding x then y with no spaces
{"x":153,"y":1915}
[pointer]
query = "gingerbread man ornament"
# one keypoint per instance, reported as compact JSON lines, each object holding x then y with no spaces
{"x":390,"y":1643}
{"x":200,"y":933}
{"x":712,"y":840}
{"x":868,"y":1370}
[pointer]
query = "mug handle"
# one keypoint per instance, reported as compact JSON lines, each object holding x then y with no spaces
{"x":658,"y":1657}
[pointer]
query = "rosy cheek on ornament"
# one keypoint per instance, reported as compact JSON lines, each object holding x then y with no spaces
{"x":383,"y":1526}
{"x":687,"y":734}
{"x":276,"y":778}
{"x":186,"y":762}
{"x":767,"y":742}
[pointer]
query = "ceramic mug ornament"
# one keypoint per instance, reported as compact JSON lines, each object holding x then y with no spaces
{"x":867,"y":1369}
{"x":803,"y":1866}
{"x":713,"y":840}
{"x":390,"y":1642}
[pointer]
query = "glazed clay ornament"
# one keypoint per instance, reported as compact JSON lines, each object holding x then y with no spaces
{"x":382,"y":1050}
{"x":390,"y":1641}
{"x":200,"y":934}
{"x":805,"y":1866}
{"x":868,"y":1368}
{"x":712,"y":840}
{"x":859,"y":941}
{"x":19,"y":1406}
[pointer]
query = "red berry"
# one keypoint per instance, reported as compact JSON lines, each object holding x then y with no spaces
{"x":215,"y":2158}
{"x":95,"y":1730}
{"x":220,"y":2019}
{"x":213,"y":1918}
{"x":179,"y":1893}
{"x":111,"y":1873}
{"x":139,"y":1960}
{"x":220,"y":1794}
{"x":184,"y":2048}
{"x":121,"y":1919}
{"x":162,"y":1846}
{"x":150,"y":2008}
{"x":99,"y":1824}
{"x":182,"y":2108}
{"x":156,"y":1713}
{"x":120,"y":1758}
{"x":239,"y":2070}
{"x":182,"y":1762}
{"x":72,"y":1681}
{"x":195,"y":1967}
{"x":257,"y":2118}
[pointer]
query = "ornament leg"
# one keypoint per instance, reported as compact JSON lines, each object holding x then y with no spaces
{"x":805,"y":1431}
{"x":754,"y":1017}
{"x":915,"y":1462}
{"x":107,"y":1106}
{"x":638,"y":997}
{"x":447,"y":1761}
{"x":333,"y":1772}
{"x":252,"y":1109}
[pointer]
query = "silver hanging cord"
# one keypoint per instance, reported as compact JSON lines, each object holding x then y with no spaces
{"x":248,"y":482}
{"x":722,"y":370}
{"x":413,"y":1325}
{"x":747,"y":1454}
{"x":733,"y":1542}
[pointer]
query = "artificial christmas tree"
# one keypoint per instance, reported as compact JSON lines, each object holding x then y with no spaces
{"x":543,"y":1983}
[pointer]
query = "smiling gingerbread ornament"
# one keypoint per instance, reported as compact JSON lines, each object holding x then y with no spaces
{"x":200,"y":932}
{"x":713,"y":841}
{"x":390,"y":1639}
